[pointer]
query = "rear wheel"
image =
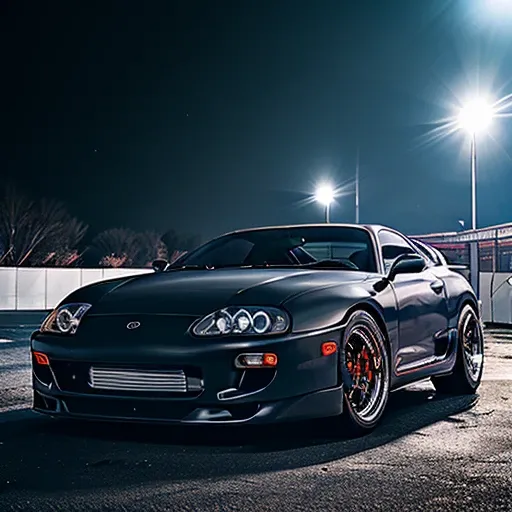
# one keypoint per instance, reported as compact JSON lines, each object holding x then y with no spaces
{"x":365,"y":368}
{"x":468,"y":369}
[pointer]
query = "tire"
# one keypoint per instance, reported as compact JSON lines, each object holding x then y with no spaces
{"x":365,"y":387}
{"x":468,"y":368}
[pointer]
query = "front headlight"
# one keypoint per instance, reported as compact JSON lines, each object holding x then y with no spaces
{"x":65,"y":319}
{"x":248,"y":320}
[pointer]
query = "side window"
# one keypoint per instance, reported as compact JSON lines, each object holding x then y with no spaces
{"x":426,"y":252}
{"x":393,"y":246}
{"x":439,"y":255}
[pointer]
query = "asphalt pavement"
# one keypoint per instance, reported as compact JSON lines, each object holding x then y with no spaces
{"x":430,"y":453}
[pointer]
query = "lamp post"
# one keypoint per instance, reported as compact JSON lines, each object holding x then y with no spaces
{"x":474,"y":117}
{"x":325,"y":195}
{"x":357,"y":188}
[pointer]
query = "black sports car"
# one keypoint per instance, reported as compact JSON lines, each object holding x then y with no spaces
{"x":263,"y":325}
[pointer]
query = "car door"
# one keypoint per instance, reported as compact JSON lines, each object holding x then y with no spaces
{"x":421,"y":305}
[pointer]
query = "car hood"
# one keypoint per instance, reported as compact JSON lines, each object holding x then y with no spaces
{"x":203,"y":291}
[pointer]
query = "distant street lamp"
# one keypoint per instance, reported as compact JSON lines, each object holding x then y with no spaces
{"x":498,"y":7}
{"x":325,"y":195}
{"x":475,"y":117}
{"x":357,"y":188}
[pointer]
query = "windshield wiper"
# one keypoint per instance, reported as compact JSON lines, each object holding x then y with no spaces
{"x":212,"y":267}
{"x":322,"y":264}
{"x":190,"y":267}
{"x":327,"y":264}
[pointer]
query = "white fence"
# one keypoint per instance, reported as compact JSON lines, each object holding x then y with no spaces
{"x":496,"y":297}
{"x":43,"y":288}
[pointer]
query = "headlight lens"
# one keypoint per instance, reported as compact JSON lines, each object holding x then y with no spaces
{"x":249,"y":320}
{"x":65,"y":319}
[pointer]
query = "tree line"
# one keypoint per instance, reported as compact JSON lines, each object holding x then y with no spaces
{"x":42,"y":233}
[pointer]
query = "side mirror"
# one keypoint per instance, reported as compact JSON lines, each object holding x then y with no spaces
{"x":159,"y":265}
{"x":406,"y":264}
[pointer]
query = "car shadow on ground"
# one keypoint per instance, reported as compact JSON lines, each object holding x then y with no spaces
{"x":407,"y":412}
{"x":90,"y":455}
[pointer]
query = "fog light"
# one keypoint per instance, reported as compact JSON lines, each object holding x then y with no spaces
{"x":329,"y":347}
{"x":256,"y":360}
{"x":41,"y":359}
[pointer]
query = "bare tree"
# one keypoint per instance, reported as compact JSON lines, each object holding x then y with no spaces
{"x":115,"y":247}
{"x":150,"y":248}
{"x":60,"y":249}
{"x":178,"y":244}
{"x":31,"y":230}
{"x":121,"y":247}
{"x":113,"y":261}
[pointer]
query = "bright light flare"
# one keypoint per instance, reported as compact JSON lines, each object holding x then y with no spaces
{"x":325,"y":194}
{"x":495,"y":14}
{"x":476,"y":116}
{"x":500,"y":7}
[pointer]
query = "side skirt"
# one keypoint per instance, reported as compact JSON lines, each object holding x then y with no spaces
{"x":409,"y":384}
{"x":411,"y":373}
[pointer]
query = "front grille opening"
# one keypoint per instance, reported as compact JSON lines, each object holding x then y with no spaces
{"x":121,"y":379}
{"x":45,"y":403}
{"x":43,"y":373}
{"x":137,"y":380}
{"x":128,"y":408}
{"x":38,"y":402}
{"x":51,"y":404}
{"x":256,"y":379}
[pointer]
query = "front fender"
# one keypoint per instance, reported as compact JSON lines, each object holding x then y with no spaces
{"x":94,"y":292}
{"x":328,"y":307}
{"x":331,"y":307}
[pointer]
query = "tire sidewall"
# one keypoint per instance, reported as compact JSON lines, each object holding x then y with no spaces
{"x":468,"y":310}
{"x":358,"y":318}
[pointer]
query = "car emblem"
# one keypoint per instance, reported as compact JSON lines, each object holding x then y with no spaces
{"x":133,"y":325}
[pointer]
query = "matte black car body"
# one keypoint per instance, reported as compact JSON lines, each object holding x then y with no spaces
{"x":417,"y":313}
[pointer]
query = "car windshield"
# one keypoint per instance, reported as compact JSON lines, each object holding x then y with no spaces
{"x":320,"y":247}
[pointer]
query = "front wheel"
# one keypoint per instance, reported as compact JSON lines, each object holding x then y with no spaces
{"x":468,"y":369}
{"x":365,"y":368}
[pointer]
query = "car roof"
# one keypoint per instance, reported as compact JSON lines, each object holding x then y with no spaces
{"x":367,"y":227}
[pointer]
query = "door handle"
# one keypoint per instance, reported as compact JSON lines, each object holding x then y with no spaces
{"x":437,"y":286}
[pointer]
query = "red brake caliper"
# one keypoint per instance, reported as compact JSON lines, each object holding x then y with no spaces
{"x":359,"y":368}
{"x":367,"y":371}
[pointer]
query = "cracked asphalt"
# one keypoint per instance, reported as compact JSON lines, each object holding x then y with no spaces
{"x":429,"y":454}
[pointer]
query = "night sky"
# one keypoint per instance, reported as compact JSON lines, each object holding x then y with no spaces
{"x":208,"y":116}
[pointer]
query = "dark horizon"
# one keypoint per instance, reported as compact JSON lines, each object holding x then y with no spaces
{"x":205,"y":117}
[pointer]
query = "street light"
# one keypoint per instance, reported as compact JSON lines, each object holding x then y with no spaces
{"x":498,"y":7}
{"x":325,"y":195}
{"x":475,"y":117}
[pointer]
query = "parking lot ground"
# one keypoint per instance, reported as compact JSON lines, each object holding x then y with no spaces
{"x":430,"y":453}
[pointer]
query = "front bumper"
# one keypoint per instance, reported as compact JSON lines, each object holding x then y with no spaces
{"x":305,"y":384}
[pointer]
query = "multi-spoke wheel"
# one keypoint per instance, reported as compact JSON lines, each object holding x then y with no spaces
{"x":468,"y":369}
{"x":365,"y":366}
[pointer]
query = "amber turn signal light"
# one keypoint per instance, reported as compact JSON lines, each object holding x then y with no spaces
{"x":41,"y":359}
{"x":269,"y":360}
{"x":256,"y":360}
{"x":329,"y":347}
